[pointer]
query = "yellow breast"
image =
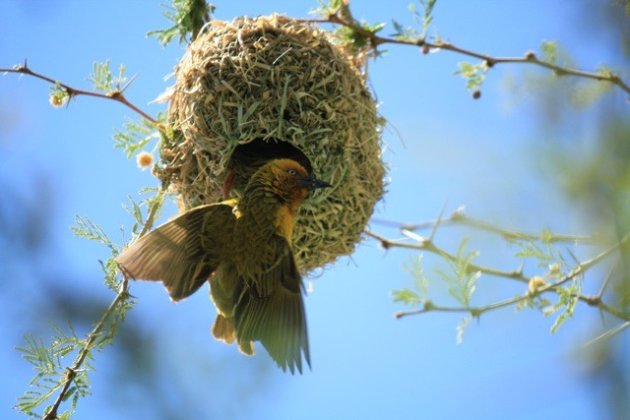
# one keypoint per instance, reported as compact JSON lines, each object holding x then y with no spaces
{"x":285,"y":218}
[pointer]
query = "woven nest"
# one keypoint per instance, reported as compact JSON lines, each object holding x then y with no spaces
{"x":270,"y":80}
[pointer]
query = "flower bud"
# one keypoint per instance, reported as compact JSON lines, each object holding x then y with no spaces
{"x":535,"y":284}
{"x":144,"y":160}
{"x":57,"y":99}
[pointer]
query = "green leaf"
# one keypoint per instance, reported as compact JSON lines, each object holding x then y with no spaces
{"x":403,"y":33}
{"x":474,"y":74}
{"x":49,"y":377}
{"x":112,"y":279}
{"x":568,"y":301}
{"x":85,"y":228}
{"x":188,"y":18}
{"x":135,"y":136}
{"x":327,"y":8}
{"x":421,"y":283}
{"x":420,"y":291}
{"x":427,"y":18}
{"x":406,"y":296}
{"x":546,"y":255}
{"x":351,"y":37}
{"x":461,"y":279}
{"x":66,"y":415}
{"x":374,"y":28}
{"x":549,"y":50}
{"x":70,"y":393}
{"x":104,"y":81}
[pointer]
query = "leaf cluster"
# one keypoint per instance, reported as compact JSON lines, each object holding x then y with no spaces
{"x":105,"y":81}
{"x":135,"y":136}
{"x":51,"y":374}
{"x":474,"y":74}
{"x":188,"y":18}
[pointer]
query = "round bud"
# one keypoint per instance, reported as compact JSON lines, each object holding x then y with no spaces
{"x":144,"y":160}
{"x":554,"y":268}
{"x":57,"y":99}
{"x":535,"y":284}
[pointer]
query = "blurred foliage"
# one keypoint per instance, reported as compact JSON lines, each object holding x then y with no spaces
{"x":587,"y":153}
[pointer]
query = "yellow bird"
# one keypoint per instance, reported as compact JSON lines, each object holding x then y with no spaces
{"x":244,"y":251}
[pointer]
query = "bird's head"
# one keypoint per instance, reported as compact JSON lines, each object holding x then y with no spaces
{"x":247,"y":158}
{"x":290,"y":180}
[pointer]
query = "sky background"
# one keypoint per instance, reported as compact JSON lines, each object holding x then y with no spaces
{"x":443,"y":149}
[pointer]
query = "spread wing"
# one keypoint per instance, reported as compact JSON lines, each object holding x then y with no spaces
{"x":270,"y":309}
{"x":183,"y":252}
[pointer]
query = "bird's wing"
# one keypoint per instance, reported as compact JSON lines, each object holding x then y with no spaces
{"x":270,"y":309}
{"x":183,"y":252}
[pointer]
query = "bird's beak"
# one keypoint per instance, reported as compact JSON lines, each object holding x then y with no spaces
{"x":313,"y":183}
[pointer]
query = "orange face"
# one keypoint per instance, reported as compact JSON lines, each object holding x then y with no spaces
{"x":292,"y":182}
{"x":288,"y":177}
{"x":288,"y":167}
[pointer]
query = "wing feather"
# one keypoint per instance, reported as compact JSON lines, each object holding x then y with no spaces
{"x":183,"y":252}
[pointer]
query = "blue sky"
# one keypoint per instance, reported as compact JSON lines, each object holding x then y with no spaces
{"x":442,"y":147}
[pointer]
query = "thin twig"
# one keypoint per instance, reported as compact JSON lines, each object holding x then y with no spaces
{"x":610,"y":333}
{"x":437,"y":224}
{"x":117,"y":95}
{"x":606,"y":282}
{"x":431,"y":247}
{"x":579,"y":269}
{"x":346,"y":19}
{"x":458,"y":219}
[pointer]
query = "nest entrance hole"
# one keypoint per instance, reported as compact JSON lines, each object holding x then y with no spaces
{"x":258,"y":151}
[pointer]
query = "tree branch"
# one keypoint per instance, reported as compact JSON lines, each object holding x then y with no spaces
{"x":579,"y":269}
{"x":346,"y":19}
{"x":457,"y":218}
{"x":429,"y":246}
{"x":117,"y":95}
{"x":121,"y":297}
{"x":71,"y":372}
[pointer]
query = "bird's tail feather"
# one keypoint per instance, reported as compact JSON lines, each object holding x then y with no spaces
{"x":223,"y":329}
{"x":278,"y":321}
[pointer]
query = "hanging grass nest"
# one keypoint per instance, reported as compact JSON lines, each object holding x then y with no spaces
{"x":278,"y":83}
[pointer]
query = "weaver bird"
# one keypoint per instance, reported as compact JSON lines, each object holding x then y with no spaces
{"x":247,"y":158}
{"x":244,"y":251}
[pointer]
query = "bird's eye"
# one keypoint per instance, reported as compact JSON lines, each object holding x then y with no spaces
{"x":291,"y":172}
